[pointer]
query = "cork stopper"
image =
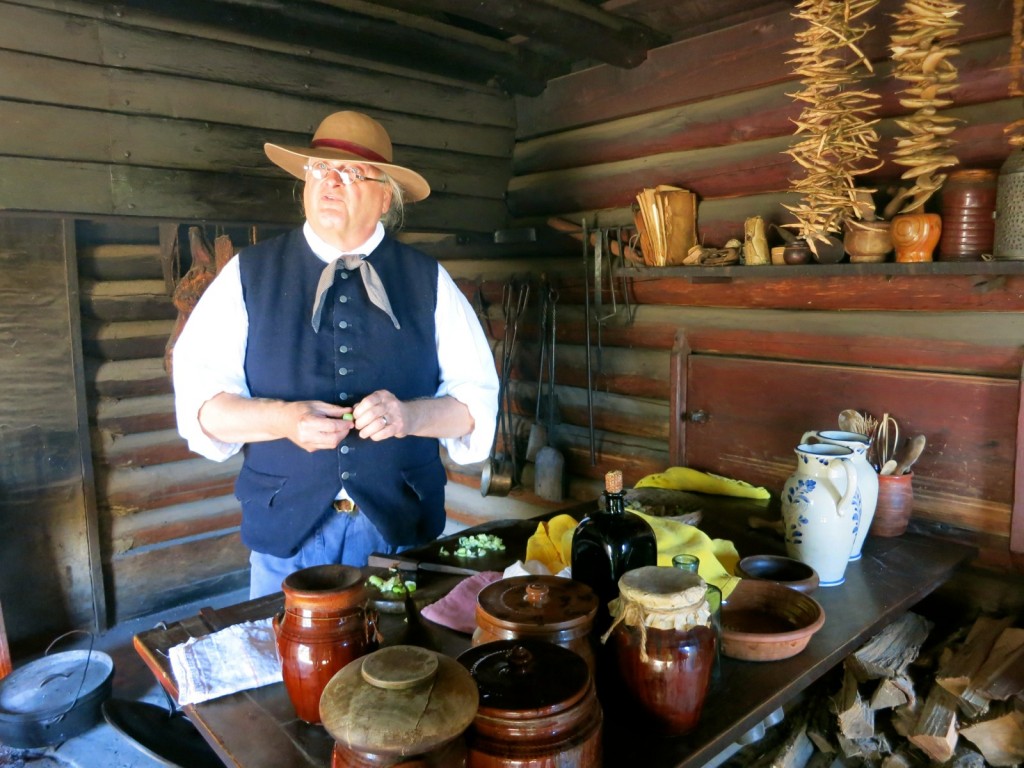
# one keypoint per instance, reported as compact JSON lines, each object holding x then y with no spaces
{"x":613,"y":481}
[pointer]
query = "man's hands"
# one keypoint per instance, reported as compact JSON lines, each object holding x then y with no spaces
{"x":314,"y":425}
{"x":317,"y":426}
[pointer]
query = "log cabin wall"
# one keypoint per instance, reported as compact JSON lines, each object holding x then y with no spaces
{"x":711,"y":114}
{"x":121,"y":128}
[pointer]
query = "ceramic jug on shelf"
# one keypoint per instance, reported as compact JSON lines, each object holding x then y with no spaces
{"x":817,"y":509}
{"x":867,"y":480}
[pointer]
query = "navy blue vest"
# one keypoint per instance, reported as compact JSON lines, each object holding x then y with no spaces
{"x":398,"y":483}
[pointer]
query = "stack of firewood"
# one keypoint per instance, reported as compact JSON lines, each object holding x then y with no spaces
{"x":902,"y":703}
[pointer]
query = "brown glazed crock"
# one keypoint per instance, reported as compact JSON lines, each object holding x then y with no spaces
{"x":538,"y":707}
{"x":323,"y":627}
{"x":399,"y":707}
{"x":550,"y":608}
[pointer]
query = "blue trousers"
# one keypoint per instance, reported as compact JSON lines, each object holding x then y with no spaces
{"x":339,"y":539}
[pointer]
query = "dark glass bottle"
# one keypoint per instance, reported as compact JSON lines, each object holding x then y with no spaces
{"x":608,"y":543}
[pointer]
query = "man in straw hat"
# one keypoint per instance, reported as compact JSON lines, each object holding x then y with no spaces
{"x":335,"y":358}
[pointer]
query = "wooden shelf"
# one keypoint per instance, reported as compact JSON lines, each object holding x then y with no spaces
{"x":885,"y":269}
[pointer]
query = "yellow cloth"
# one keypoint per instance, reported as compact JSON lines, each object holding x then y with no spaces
{"x":687,"y":479}
{"x":718,"y":557}
{"x":551,"y":544}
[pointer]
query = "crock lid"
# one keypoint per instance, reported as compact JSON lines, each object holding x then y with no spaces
{"x":400,"y":700}
{"x":526,"y":676}
{"x":53,"y":684}
{"x":545,"y":603}
{"x":662,"y":588}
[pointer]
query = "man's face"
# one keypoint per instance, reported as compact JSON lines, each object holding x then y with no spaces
{"x":345,"y":216}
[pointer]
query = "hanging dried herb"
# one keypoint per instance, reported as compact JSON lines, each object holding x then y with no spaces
{"x":921,"y":52}
{"x":837,"y":136}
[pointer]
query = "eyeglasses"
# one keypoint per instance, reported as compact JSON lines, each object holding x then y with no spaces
{"x":347,"y":176}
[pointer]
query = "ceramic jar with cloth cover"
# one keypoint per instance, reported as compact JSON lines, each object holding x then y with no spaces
{"x":866,"y":499}
{"x":664,"y":644}
{"x":323,"y":627}
{"x":817,"y":509}
{"x":550,"y":608}
{"x":400,"y":707}
{"x":538,"y":707}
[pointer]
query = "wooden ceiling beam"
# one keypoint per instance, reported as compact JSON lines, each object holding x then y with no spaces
{"x":374,"y":33}
{"x":580,"y":30}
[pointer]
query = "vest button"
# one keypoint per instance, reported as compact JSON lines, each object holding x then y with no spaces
{"x":344,"y":275}
{"x":344,"y":475}
{"x":343,"y":395}
{"x":343,"y":449}
{"x":343,"y":371}
{"x":343,"y":324}
{"x":343,"y":299}
{"x":343,"y":349}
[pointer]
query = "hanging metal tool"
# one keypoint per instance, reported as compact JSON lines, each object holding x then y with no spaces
{"x":590,"y":380}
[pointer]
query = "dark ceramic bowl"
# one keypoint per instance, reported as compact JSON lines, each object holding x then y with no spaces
{"x":782,"y":570}
{"x":765,"y":621}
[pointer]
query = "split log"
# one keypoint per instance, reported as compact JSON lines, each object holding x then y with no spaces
{"x":935,"y":733}
{"x":797,"y":749}
{"x":904,"y":719}
{"x":1000,"y":740}
{"x":893,"y":692}
{"x":869,"y":751}
{"x":856,"y":720}
{"x":902,"y":758}
{"x":955,"y":674}
{"x":1000,"y":676}
{"x":964,"y":757}
{"x":891,"y":651}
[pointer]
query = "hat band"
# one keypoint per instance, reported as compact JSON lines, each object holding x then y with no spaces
{"x":348,"y":146}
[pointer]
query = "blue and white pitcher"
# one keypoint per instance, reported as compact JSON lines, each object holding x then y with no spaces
{"x":867,"y":480}
{"x":817,"y":509}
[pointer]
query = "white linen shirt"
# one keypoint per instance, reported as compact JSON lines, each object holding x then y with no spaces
{"x":209,"y":357}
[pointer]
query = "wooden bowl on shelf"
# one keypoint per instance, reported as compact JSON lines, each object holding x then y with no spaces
{"x":783,"y":570}
{"x":765,"y":621}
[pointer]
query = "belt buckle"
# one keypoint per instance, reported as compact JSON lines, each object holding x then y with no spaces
{"x":346,"y":507}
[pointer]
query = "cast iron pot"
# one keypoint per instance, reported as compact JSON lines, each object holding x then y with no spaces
{"x":54,"y":698}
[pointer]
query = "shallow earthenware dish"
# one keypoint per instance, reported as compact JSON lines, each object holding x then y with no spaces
{"x":765,"y":621}
{"x":783,"y":570}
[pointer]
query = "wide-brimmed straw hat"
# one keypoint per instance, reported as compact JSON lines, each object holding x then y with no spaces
{"x":350,"y":136}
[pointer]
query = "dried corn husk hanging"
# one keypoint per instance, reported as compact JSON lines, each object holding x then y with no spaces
{"x":920,"y":53}
{"x":837,"y":134}
{"x":1015,"y":130}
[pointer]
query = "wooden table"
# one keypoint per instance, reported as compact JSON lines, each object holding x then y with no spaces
{"x":258,"y":729}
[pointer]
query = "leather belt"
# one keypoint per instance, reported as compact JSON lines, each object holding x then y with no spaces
{"x":346,"y":507}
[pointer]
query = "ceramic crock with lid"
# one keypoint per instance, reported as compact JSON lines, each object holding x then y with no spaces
{"x":538,"y":707}
{"x":664,"y":644}
{"x":551,"y":608}
{"x":399,"y":706}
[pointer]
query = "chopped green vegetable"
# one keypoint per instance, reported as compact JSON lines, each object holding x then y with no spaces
{"x":477,"y":545}
{"x":394,"y":585}
{"x":348,"y":417}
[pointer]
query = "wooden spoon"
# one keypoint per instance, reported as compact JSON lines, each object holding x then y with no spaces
{"x":913,"y":452}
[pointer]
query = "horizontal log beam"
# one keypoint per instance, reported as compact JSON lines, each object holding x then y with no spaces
{"x":984,"y":76}
{"x":152,"y":43}
{"x":738,"y":170}
{"x":741,"y":58}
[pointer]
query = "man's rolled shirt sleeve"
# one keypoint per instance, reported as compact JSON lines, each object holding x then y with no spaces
{"x":468,"y":373}
{"x":209,"y":358}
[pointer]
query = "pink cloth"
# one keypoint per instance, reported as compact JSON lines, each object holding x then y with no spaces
{"x":457,"y":609}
